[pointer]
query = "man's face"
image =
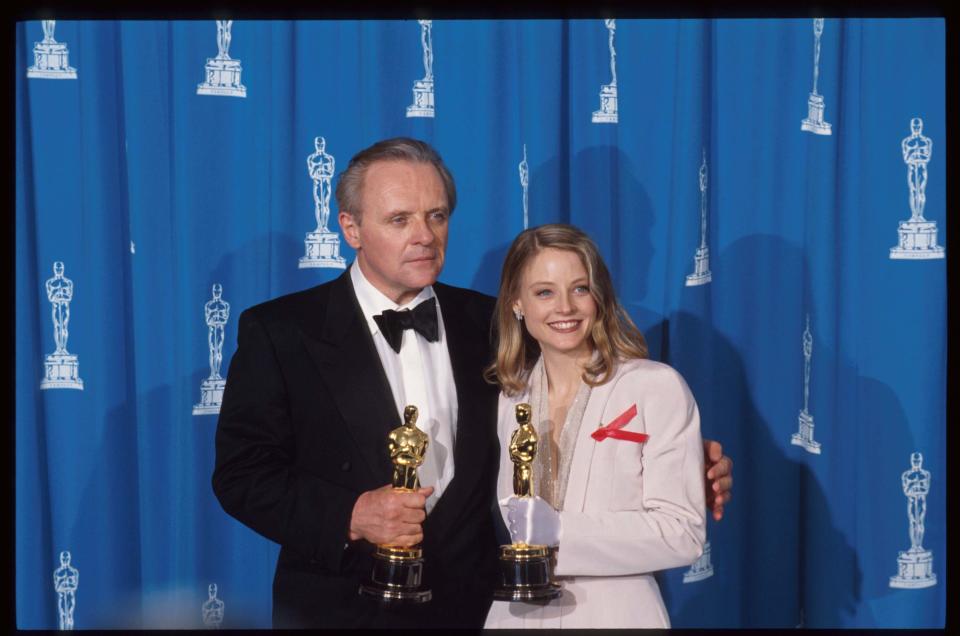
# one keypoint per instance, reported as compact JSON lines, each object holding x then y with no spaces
{"x":401,"y":239}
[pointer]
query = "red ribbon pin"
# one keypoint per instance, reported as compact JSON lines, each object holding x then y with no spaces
{"x":613,"y":428}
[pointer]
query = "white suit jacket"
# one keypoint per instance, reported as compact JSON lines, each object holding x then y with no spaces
{"x":630,"y":508}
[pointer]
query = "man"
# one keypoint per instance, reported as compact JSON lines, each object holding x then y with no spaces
{"x":321,"y":377}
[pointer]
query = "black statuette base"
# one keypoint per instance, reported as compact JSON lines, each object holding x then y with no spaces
{"x":525,"y":574}
{"x":396,"y":576}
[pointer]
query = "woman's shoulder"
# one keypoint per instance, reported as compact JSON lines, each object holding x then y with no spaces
{"x":644,"y":367}
{"x":649,"y":374}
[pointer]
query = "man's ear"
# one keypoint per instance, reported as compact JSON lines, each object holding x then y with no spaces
{"x":350,"y":228}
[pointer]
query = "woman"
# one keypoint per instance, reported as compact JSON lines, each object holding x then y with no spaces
{"x":620,"y":502}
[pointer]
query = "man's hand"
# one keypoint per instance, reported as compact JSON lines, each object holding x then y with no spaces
{"x":389,"y":516}
{"x":719,"y":480}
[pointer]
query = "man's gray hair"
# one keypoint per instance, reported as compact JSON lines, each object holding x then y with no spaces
{"x":396,"y":149}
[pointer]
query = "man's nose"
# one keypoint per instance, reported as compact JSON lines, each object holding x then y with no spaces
{"x":423,"y":233}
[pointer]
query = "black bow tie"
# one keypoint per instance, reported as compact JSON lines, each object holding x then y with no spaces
{"x":422,"y":319}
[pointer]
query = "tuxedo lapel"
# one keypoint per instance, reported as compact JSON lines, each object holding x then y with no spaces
{"x":346,"y":358}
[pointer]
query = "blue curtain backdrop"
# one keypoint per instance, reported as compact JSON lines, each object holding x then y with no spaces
{"x":150,"y":193}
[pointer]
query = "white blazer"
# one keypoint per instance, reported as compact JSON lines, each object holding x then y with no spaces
{"x":631,"y":508}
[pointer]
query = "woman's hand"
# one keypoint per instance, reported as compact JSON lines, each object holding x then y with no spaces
{"x":532,"y":521}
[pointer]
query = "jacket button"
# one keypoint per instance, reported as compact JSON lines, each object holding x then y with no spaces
{"x":345,"y":466}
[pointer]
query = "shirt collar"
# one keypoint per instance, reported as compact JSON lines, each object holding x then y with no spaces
{"x":373,"y":302}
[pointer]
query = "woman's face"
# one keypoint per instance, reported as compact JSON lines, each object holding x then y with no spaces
{"x":556,"y":302}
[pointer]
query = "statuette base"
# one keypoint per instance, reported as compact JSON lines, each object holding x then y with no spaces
{"x":608,"y":106}
{"x":918,"y":241}
{"x":701,"y":569}
{"x":814,"y":122}
{"x":211,"y":396}
{"x":396,"y":577}
{"x":693,"y":577}
{"x":51,"y":61}
{"x":36,"y":73}
{"x":322,"y":250}
{"x":525,"y":574}
{"x":804,"y":437}
{"x":422,"y":99}
{"x":62,"y":371}
{"x":916,"y":570}
{"x":223,"y":78}
{"x":701,"y":268}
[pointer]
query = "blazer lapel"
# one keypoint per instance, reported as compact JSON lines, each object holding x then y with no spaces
{"x":346,"y":358}
{"x":585,"y":448}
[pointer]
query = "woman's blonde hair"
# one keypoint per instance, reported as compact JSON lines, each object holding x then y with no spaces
{"x":613,"y":335}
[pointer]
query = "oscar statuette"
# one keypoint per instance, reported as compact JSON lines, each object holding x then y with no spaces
{"x":398,"y":570}
{"x":525,"y":570}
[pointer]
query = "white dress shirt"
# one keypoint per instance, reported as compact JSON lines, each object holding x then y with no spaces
{"x":422,"y":375}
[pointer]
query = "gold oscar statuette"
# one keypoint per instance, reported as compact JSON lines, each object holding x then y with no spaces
{"x":525,"y":570}
{"x":398,"y":570}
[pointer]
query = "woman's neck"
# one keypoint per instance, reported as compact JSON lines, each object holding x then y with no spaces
{"x":564,"y":372}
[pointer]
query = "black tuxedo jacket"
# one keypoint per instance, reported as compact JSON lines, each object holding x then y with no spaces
{"x":303,"y":432}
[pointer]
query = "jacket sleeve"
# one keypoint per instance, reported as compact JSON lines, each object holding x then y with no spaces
{"x":256,"y":477}
{"x":656,"y":514}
